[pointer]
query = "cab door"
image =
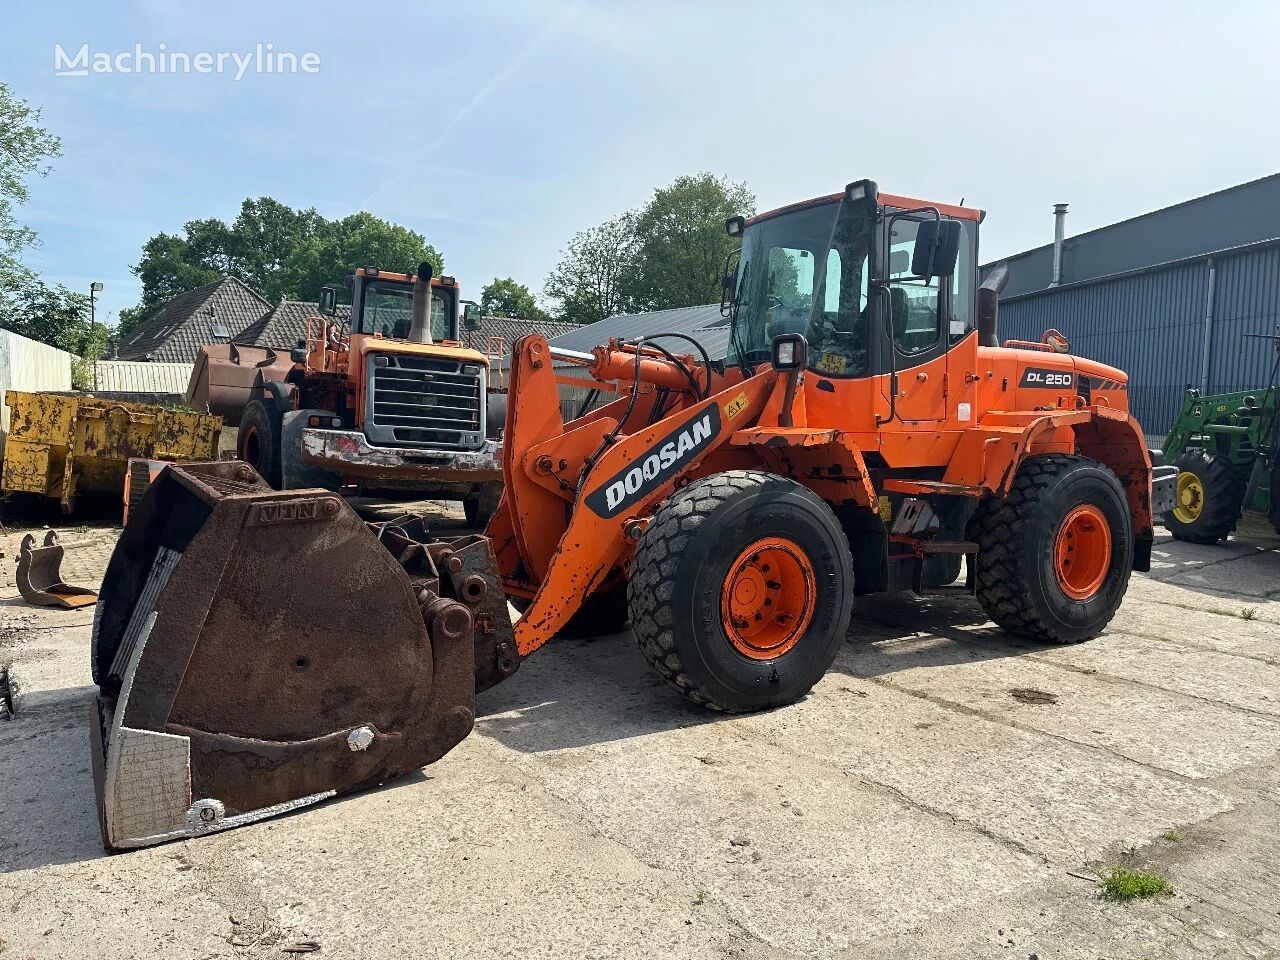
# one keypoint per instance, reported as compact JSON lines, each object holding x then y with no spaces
{"x":915,"y":315}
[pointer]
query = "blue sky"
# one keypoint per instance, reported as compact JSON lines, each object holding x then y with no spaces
{"x":500,"y":129}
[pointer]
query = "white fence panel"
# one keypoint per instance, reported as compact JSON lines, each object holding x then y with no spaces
{"x":129,"y":376}
{"x":31,"y":366}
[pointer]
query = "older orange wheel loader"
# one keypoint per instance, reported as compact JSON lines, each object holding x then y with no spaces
{"x":257,"y":650}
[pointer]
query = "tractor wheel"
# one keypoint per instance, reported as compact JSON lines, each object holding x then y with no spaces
{"x":482,"y":504}
{"x":741,"y":590}
{"x":1210,"y":494}
{"x":258,"y":441}
{"x":603,"y":613}
{"x":1054,"y":555}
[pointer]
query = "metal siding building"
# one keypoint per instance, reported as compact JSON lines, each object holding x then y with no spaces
{"x":1170,"y":297}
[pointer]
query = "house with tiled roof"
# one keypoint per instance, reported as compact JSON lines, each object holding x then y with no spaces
{"x":285,"y":324}
{"x":214,"y":313}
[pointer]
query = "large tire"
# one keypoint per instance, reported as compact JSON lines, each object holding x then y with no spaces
{"x":711,"y":553}
{"x":1210,"y":495}
{"x":482,"y":504}
{"x":258,"y":440}
{"x":601,"y":614}
{"x":1055,"y":554}
{"x":295,"y":472}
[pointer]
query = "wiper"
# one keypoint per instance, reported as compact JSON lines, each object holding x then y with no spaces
{"x":733,"y":323}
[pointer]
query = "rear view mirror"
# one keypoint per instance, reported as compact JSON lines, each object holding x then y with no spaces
{"x":937,"y":248}
{"x":328,"y":300}
{"x":471,"y":315}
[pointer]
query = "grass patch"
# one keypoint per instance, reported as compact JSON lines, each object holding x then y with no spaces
{"x":1248,"y":613}
{"x":1123,"y":885}
{"x":1173,"y":836}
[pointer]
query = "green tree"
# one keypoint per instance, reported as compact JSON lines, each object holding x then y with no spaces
{"x":277,"y":250}
{"x":26,"y":150}
{"x":506,"y":298}
{"x":681,"y":241}
{"x":591,"y":280}
{"x":338,"y":246}
{"x":29,"y":306}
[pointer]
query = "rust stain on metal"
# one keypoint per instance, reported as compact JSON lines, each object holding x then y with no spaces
{"x":60,"y":445}
{"x":272,"y":649}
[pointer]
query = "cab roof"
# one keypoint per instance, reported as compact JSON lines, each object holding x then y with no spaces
{"x":886,"y":200}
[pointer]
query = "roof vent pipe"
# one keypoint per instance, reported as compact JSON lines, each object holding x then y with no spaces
{"x":1059,"y":231}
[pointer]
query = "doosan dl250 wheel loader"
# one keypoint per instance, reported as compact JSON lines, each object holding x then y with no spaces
{"x":259,"y":650}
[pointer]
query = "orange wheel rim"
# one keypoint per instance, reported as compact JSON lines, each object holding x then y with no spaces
{"x":768,"y":597}
{"x":1082,"y":552}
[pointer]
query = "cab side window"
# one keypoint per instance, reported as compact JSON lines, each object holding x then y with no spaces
{"x":914,"y":306}
{"x":963,"y":294}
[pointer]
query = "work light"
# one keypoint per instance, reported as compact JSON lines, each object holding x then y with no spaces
{"x":790,"y":351}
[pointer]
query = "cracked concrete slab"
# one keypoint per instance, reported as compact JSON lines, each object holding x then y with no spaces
{"x":1240,"y":682}
{"x":911,"y":806}
{"x":1165,"y":731}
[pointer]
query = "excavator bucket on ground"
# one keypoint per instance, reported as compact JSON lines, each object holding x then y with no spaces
{"x":257,"y":651}
{"x":39,"y":575}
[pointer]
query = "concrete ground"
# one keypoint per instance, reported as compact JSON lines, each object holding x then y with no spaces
{"x":946,"y":792}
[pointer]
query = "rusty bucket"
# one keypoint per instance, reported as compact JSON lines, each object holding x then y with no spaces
{"x":39,"y":574}
{"x":257,"y":651}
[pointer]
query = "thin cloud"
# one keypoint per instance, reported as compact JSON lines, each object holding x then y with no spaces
{"x":463,"y":112}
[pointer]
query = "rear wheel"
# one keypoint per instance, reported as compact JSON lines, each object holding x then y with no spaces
{"x":1210,"y":493}
{"x":1055,"y":554}
{"x":258,"y":441}
{"x":741,"y":590}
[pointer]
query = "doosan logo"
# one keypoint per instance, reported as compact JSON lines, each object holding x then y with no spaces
{"x":657,"y":466}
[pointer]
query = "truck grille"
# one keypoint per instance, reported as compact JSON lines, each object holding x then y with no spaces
{"x":425,"y":401}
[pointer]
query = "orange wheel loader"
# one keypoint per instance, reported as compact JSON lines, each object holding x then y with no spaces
{"x":385,"y":398}
{"x":259,"y":650}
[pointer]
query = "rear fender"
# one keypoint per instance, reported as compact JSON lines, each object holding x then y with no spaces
{"x":988,"y":456}
{"x":1115,"y":438}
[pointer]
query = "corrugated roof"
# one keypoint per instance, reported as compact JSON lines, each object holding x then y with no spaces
{"x":703,"y":323}
{"x":284,"y":325}
{"x":1245,"y":214}
{"x":511,"y":329}
{"x":176,"y":332}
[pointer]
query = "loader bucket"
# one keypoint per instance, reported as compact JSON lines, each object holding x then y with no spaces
{"x":39,"y":575}
{"x":257,"y":651}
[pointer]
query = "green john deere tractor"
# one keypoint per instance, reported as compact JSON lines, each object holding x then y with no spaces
{"x":1226,"y":451}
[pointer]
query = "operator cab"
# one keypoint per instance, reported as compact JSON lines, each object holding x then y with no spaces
{"x":382,"y":304}
{"x":875,"y":283}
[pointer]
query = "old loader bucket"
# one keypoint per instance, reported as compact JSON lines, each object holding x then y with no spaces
{"x":39,"y":576}
{"x":256,"y":651}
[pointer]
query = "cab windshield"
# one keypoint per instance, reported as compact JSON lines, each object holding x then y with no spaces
{"x":806,"y":272}
{"x":386,"y":307}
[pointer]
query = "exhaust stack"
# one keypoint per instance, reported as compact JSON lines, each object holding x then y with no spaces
{"x":1059,"y":232}
{"x":420,"y":311}
{"x":988,"y":301}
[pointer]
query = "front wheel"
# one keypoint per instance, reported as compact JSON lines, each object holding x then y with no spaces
{"x":1055,"y":554}
{"x":741,"y":590}
{"x":482,"y":503}
{"x":258,"y":439}
{"x":1209,"y":497}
